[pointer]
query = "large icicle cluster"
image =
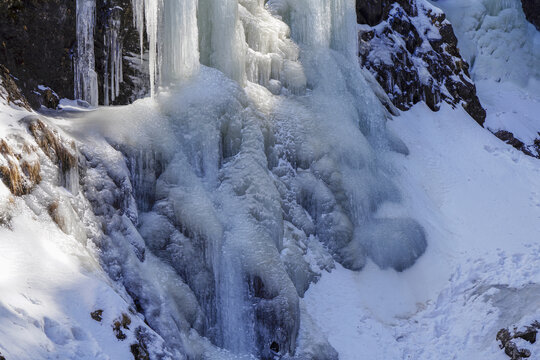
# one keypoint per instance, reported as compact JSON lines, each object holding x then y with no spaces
{"x":260,"y":161}
{"x":86,"y":84}
{"x":172,"y":34}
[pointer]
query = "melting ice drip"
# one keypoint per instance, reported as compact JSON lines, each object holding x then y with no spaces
{"x":86,"y":83}
{"x":267,"y":156}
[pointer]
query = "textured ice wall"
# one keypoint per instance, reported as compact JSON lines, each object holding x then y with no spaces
{"x":495,"y":38}
{"x":228,"y":193}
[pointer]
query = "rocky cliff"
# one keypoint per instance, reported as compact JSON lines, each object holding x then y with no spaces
{"x":412,"y":51}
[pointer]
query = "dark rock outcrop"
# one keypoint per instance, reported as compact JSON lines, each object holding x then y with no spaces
{"x":122,"y":323}
{"x":97,"y":315}
{"x":372,"y":12}
{"x":139,"y":350}
{"x":37,"y":38}
{"x":532,"y":11}
{"x":509,"y":138}
{"x":412,"y":52}
{"x":43,"y":96}
{"x":506,"y":341}
{"x":38,"y":44}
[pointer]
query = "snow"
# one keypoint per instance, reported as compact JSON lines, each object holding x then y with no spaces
{"x":512,"y":108}
{"x":478,"y":201}
{"x":49,"y":285}
{"x":74,"y":105}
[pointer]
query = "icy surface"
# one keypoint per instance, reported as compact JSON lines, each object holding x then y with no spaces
{"x":217,"y":202}
{"x":512,"y":108}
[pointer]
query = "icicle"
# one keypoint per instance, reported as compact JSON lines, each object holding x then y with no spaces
{"x":86,"y":84}
{"x":180,"y":39}
{"x":344,"y":34}
{"x":151,"y":14}
{"x":138,"y":20}
{"x":172,"y":34}
{"x":113,"y":57}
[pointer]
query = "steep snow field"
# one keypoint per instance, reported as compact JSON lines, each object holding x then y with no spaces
{"x":51,"y":279}
{"x":503,"y":49}
{"x":512,"y":107}
{"x":48,"y":288}
{"x":479,"y":200}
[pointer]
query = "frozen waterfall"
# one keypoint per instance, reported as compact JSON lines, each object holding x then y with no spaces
{"x":258,"y":161}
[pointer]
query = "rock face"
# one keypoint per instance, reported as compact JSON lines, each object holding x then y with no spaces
{"x":411,"y":49}
{"x":38,"y":43}
{"x":372,"y":12}
{"x":532,"y":11}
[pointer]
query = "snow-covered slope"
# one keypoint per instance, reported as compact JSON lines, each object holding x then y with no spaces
{"x":479,"y":201}
{"x":495,"y":38}
{"x":51,"y":279}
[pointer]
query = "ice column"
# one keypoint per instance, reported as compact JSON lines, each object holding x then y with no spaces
{"x":86,"y":84}
{"x":322,"y":24}
{"x":151,"y":14}
{"x":221,"y":38}
{"x":172,"y":34}
{"x":180,"y":39}
{"x":344,"y":35}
